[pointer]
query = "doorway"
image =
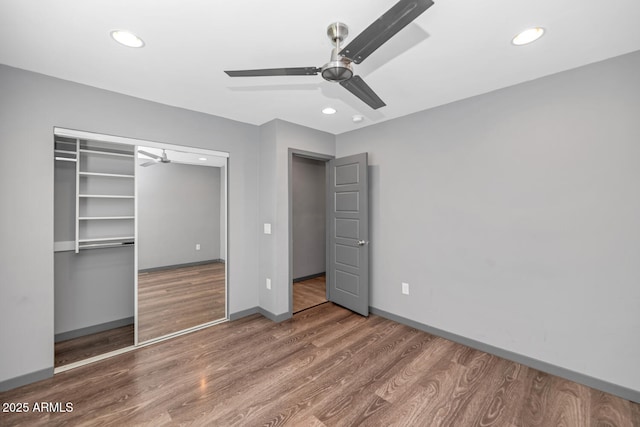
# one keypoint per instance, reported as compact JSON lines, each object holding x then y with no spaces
{"x":308,"y":249}
{"x":346,"y":231}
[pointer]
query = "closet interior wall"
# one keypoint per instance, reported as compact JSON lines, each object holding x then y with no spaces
{"x":93,"y":288}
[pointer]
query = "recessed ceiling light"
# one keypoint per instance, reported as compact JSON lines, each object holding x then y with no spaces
{"x":127,"y":38}
{"x":329,"y":110}
{"x":527,"y":36}
{"x":202,"y":158}
{"x":357,"y":118}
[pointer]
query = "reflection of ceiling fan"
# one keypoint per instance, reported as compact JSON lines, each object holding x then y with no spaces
{"x":157,"y":159}
{"x":339,"y":68}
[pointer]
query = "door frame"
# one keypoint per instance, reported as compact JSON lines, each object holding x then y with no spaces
{"x":314,"y":156}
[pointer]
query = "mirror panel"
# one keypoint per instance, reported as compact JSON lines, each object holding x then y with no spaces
{"x":181,"y":241}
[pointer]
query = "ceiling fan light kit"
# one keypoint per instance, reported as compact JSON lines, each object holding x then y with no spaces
{"x":339,"y":68}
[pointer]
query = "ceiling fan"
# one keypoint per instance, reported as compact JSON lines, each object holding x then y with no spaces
{"x":339,"y":68}
{"x":156,"y":159}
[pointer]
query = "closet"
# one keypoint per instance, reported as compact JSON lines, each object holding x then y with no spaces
{"x":98,"y":264}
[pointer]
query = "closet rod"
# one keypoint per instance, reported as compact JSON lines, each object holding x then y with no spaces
{"x":66,"y":159}
{"x":106,"y":245}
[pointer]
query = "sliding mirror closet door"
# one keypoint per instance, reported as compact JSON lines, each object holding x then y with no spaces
{"x":140,"y":242}
{"x":181,"y":241}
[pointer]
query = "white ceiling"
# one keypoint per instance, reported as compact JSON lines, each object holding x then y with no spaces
{"x":456,"y":49}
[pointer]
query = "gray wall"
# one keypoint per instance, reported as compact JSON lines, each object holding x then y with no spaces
{"x":178,"y":207}
{"x":64,"y":228}
{"x":30,"y":107}
{"x":276,"y":137}
{"x":309,"y":192}
{"x":93,"y":287}
{"x":515,"y":218}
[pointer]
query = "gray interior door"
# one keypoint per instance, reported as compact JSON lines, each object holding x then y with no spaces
{"x":348,"y":231}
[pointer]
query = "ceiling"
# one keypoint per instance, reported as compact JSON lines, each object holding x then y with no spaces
{"x":456,"y":49}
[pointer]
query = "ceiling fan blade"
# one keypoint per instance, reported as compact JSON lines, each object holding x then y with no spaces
{"x":152,"y":162}
{"x":299,"y":71}
{"x":146,"y":153}
{"x":385,"y":27}
{"x":359,"y":88}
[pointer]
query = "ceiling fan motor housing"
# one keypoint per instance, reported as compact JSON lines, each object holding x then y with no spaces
{"x":337,"y":70}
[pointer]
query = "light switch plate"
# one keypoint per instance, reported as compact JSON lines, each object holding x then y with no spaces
{"x":405,"y":288}
{"x":267,"y":228}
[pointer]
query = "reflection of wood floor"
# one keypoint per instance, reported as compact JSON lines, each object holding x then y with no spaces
{"x":175,"y":299}
{"x":81,"y":348}
{"x":325,"y":366}
{"x":309,"y":293}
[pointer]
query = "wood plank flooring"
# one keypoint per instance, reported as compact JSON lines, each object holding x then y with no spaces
{"x":309,"y":293}
{"x":179,"y":298}
{"x":82,"y":348}
{"x":324,"y":367}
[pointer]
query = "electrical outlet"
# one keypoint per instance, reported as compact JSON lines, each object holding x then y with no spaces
{"x":267,"y":228}
{"x":268,"y":283}
{"x":197,"y":246}
{"x":405,"y":288}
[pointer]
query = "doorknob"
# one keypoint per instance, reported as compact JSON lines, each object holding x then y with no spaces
{"x":362,"y":242}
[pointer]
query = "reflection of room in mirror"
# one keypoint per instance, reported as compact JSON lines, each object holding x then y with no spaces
{"x":147,"y":154}
{"x":181,"y":250}
{"x":178,"y":298}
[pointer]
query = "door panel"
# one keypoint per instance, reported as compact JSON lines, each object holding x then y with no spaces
{"x":347,"y":202}
{"x":346,"y":228}
{"x":347,"y":174}
{"x":348,"y":246}
{"x":348,"y":255}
